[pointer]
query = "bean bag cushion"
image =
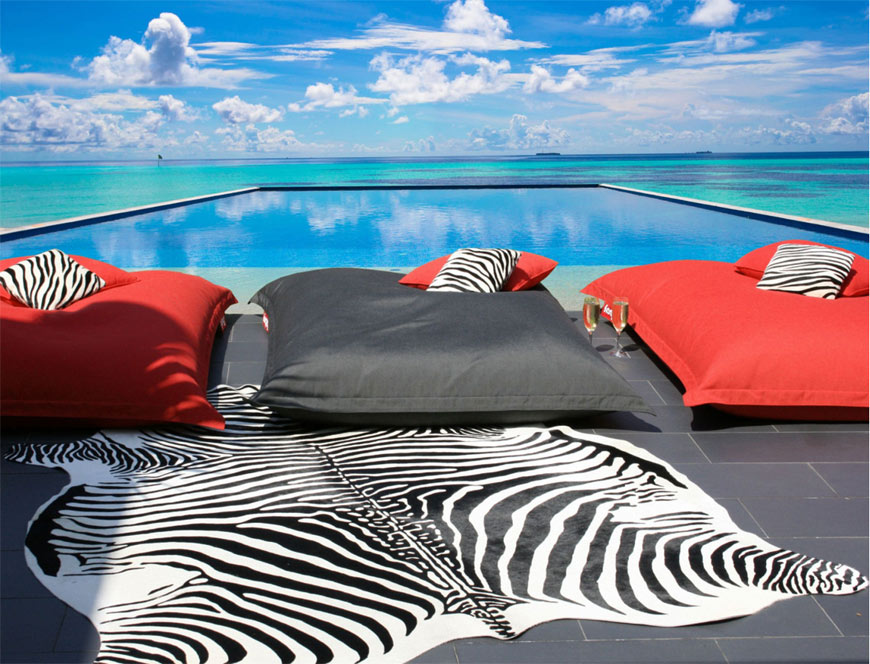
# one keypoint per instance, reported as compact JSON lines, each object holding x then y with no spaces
{"x":136,"y":352}
{"x":745,"y":350}
{"x":356,"y":347}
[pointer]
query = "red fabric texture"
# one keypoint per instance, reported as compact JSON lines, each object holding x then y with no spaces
{"x":759,"y":353}
{"x":112,"y":275}
{"x":123,"y":356}
{"x":856,"y":284}
{"x":530,"y":270}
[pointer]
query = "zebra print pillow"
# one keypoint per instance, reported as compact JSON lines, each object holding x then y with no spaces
{"x":806,"y":269}
{"x":475,"y":271}
{"x":49,"y":281}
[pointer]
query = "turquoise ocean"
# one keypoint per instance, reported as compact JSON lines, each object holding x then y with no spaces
{"x":831,"y":186}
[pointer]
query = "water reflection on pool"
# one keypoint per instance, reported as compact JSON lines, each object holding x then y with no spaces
{"x":245,"y":238}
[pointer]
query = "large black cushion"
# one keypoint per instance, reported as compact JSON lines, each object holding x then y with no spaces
{"x":354,"y":346}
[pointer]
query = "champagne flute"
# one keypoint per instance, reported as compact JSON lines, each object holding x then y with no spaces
{"x":619,"y":318}
{"x":591,"y":311}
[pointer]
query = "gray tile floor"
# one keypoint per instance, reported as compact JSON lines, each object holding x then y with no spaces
{"x":801,"y":485}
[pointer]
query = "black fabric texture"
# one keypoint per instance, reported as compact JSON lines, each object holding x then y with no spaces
{"x":353,"y":346}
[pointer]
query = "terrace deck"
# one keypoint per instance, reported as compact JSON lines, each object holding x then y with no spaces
{"x":800,"y":485}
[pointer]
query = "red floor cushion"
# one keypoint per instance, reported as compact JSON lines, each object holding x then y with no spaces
{"x":135,"y":353}
{"x":748,"y":351}
{"x":530,"y":270}
{"x":856,"y":284}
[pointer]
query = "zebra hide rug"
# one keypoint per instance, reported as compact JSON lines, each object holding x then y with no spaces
{"x":274,"y":541}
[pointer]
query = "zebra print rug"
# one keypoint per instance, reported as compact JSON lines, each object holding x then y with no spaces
{"x":276,"y":542}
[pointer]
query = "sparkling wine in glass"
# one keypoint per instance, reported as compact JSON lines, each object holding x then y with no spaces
{"x":619,"y":318}
{"x":591,"y":312}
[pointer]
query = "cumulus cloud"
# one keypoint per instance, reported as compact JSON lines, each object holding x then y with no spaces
{"x":164,"y":58}
{"x":253,"y":139}
{"x":665,"y":136}
{"x":468,"y":26}
{"x":418,"y":80}
{"x":519,"y":135}
{"x":714,"y":13}
{"x":540,"y":80}
{"x":324,"y":95}
{"x":847,"y":116}
{"x":421,"y":145}
{"x":401,"y":120}
{"x":360,"y":111}
{"x":633,"y":16}
{"x":196,"y":139}
{"x":35,"y":123}
{"x":233,"y":110}
{"x":794,"y":132}
{"x":175,"y":109}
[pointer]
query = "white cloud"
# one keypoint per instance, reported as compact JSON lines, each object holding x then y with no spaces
{"x":714,"y":13}
{"x":633,"y":15}
{"x":249,"y":51}
{"x":9,"y":77}
{"x":724,"y":42}
{"x":468,"y":26}
{"x":757,"y":15}
{"x":847,"y":116}
{"x":35,"y":123}
{"x":667,"y":135}
{"x":519,"y":135}
{"x":235,"y":111}
{"x":122,"y":100}
{"x":794,"y":133}
{"x":169,"y":60}
{"x":402,"y":119}
{"x":540,"y":80}
{"x":473,"y":17}
{"x":324,"y":95}
{"x":360,"y":111}
{"x":422,"y":145}
{"x":743,"y":79}
{"x":596,"y":60}
{"x":175,"y":109}
{"x":419,"y":80}
{"x":196,"y":139}
{"x":253,"y":139}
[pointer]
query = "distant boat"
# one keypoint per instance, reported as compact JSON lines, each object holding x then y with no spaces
{"x":704,"y":152}
{"x":548,"y":154}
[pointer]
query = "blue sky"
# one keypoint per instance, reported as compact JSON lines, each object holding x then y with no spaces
{"x":82,"y":80}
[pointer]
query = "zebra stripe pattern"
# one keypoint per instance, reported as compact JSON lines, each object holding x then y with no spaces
{"x":272,"y":541}
{"x":50,"y":280}
{"x":807,"y":269}
{"x":475,"y":271}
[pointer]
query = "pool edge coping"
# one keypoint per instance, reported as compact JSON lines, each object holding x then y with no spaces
{"x":112,"y":215}
{"x":752,"y":213}
{"x":830,"y":227}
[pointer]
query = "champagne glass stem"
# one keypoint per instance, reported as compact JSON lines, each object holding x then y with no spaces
{"x":618,"y":350}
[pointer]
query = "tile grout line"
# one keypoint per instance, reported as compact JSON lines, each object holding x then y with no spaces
{"x":827,"y":484}
{"x":700,"y":449}
{"x":652,"y":385}
{"x":766,"y":535}
{"x":833,"y":622}
{"x":719,"y":648}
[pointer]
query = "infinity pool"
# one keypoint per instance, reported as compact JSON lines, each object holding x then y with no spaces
{"x":246,"y":240}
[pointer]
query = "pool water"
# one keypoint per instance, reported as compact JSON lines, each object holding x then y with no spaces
{"x":246,"y":240}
